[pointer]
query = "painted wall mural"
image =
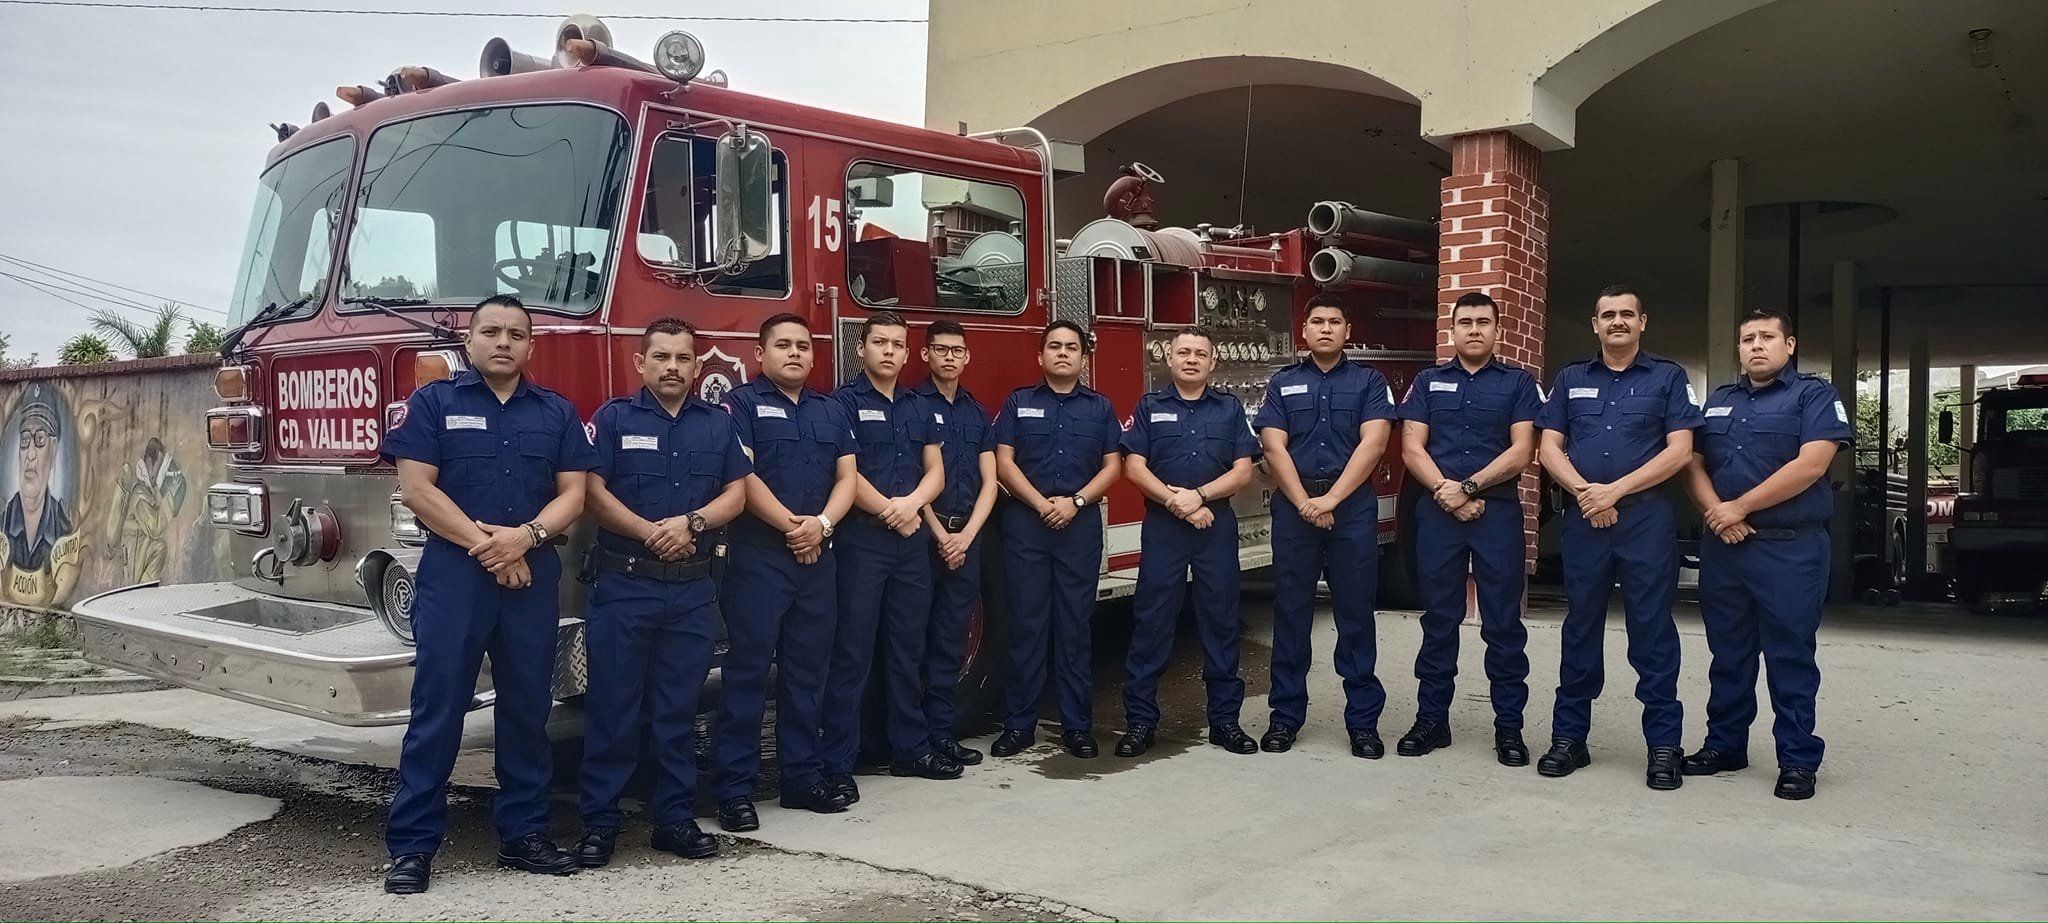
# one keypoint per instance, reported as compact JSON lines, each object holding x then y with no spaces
{"x":99,"y":473}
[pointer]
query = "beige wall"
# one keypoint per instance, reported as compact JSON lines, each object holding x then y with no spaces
{"x":1077,"y":67}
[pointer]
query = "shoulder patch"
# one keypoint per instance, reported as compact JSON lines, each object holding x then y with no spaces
{"x":1841,"y":413}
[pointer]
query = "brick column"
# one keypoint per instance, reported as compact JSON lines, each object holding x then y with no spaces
{"x":1494,"y":237}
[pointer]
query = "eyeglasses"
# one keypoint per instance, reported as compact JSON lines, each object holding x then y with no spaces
{"x":951,"y":352}
{"x":40,"y":438}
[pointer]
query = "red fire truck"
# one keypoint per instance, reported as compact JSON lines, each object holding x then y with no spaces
{"x":606,"y":192}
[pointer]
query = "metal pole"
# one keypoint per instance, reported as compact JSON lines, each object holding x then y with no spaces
{"x":1884,"y":382}
{"x":1792,"y":262}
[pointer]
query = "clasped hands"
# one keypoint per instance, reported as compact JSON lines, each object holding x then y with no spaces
{"x":1187,"y":504}
{"x":1451,"y":497}
{"x":503,"y":553}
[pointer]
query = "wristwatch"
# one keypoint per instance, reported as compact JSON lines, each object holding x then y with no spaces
{"x":1469,"y":486}
{"x":539,"y":533}
{"x":698,"y":525}
{"x":1080,"y":502}
{"x":825,"y":521}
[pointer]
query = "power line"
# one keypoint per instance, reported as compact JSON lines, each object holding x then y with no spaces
{"x":37,"y":287}
{"x":52,"y":270}
{"x":480,"y":14}
{"x":54,"y":287}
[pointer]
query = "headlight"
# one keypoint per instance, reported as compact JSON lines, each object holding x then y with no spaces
{"x":238,"y":506}
{"x":679,"y":56}
{"x":405,"y":527}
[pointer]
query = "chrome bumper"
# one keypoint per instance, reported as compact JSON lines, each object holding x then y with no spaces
{"x":320,"y":660}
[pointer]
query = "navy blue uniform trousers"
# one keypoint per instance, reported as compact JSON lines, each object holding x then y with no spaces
{"x":459,"y":614}
{"x":1490,"y":550}
{"x":954,"y":594}
{"x":1348,"y":557}
{"x":885,"y":596}
{"x":776,"y":612}
{"x":1642,"y":550}
{"x":1172,"y":549}
{"x":1763,"y":596}
{"x":649,"y":645}
{"x":1051,"y":575}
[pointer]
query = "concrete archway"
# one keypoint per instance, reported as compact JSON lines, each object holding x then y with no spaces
{"x":1630,"y":41}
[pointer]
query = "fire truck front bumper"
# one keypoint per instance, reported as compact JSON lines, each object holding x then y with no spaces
{"x":332,"y":662}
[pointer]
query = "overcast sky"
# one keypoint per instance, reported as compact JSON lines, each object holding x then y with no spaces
{"x":130,"y":140}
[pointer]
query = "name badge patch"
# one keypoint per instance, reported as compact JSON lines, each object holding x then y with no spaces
{"x":1718,"y":411}
{"x":1451,"y":386}
{"x":464,"y":423}
{"x":763,"y":411}
{"x":1165,"y":417}
{"x":1582,"y":392}
{"x":1037,"y":413}
{"x":1841,"y":414}
{"x":871,"y":415}
{"x":640,"y":442}
{"x":939,"y":418}
{"x":1291,"y":390}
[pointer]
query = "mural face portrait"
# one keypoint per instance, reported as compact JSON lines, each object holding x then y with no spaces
{"x":37,"y":513}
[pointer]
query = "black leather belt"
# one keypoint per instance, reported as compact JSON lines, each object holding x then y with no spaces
{"x":655,"y":568}
{"x":1777,"y":535}
{"x":1316,"y":487}
{"x":951,"y":523}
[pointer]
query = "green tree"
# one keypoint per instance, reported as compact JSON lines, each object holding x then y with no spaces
{"x":204,"y":338}
{"x":84,"y":349}
{"x":7,"y":362}
{"x":142,"y":340}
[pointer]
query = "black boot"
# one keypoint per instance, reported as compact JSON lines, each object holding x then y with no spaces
{"x":1509,"y":748}
{"x":594,"y":850}
{"x":1425,"y":736}
{"x":685,"y":840}
{"x":1663,"y":773}
{"x":409,"y":874}
{"x":1565,"y":757}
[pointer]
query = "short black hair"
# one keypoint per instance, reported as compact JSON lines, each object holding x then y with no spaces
{"x":1756,"y":314}
{"x":1619,"y":289}
{"x":780,"y":319}
{"x":1087,"y":340}
{"x":941,"y":328}
{"x":1325,"y":300}
{"x":669,"y":326}
{"x":503,"y":301}
{"x":1475,"y":300}
{"x":881,"y":319}
{"x":1202,"y":332}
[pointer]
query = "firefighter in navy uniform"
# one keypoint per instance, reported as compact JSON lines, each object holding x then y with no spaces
{"x":780,"y":594}
{"x":1188,"y":450}
{"x":956,"y":520}
{"x":1323,"y":425}
{"x":885,"y":576}
{"x":1615,"y":427}
{"x":493,"y":465}
{"x":1470,"y":433}
{"x":670,"y":474}
{"x":1760,"y":478}
{"x":1056,"y":452}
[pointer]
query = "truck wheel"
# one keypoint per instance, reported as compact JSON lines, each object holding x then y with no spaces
{"x":1399,"y":588}
{"x":981,"y":659}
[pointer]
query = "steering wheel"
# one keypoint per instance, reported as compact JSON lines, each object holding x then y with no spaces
{"x":538,"y":278}
{"x":1147,"y":173}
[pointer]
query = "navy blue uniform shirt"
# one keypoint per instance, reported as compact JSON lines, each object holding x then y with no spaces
{"x":1471,"y":416}
{"x":1614,"y":422}
{"x":660,"y":466}
{"x":890,"y":434}
{"x":1322,"y":411}
{"x":1752,"y":431}
{"x":1189,"y":443}
{"x":964,"y":433}
{"x":1060,"y":438}
{"x":497,"y":459}
{"x":796,"y":448}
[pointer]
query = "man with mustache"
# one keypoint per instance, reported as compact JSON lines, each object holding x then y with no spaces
{"x":1189,"y":449}
{"x":670,"y":474}
{"x":1323,"y":425}
{"x":1615,"y":427}
{"x":956,"y":520}
{"x":1056,"y":452}
{"x":493,"y":465}
{"x":885,"y":576}
{"x":1760,"y":478}
{"x":35,"y":517}
{"x":780,"y":595}
{"x":1470,"y":433}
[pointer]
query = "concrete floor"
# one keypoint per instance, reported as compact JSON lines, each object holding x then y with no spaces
{"x":1930,"y":803}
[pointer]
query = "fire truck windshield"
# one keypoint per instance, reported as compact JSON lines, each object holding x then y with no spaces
{"x":290,"y":244}
{"x":456,"y":207}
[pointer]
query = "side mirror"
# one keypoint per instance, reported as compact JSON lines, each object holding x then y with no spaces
{"x":871,"y":192}
{"x":744,"y":190}
{"x":1948,"y":427}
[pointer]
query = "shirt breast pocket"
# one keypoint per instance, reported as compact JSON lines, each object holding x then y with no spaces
{"x":1777,"y":434}
{"x":1489,"y":410}
{"x":537,"y":457}
{"x":631,"y":463}
{"x":1347,"y":409}
{"x":1643,"y":415}
{"x":706,"y":469}
{"x":1091,"y":438}
{"x":973,"y":436}
{"x":1301,"y":411}
{"x":1217,"y":440}
{"x":1584,"y":416}
{"x":468,"y":457}
{"x":822,"y":443}
{"x":1443,"y":407}
{"x":1715,"y":442}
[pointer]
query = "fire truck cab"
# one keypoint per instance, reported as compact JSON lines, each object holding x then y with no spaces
{"x":2000,"y":534}
{"x":606,"y":193}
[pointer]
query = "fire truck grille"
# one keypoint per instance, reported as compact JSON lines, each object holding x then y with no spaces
{"x":2020,"y":484}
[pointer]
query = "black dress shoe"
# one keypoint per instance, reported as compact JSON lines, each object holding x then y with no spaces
{"x":1425,"y":736}
{"x":685,"y":839}
{"x":1233,"y":738}
{"x":821,"y":798}
{"x":1509,"y":748}
{"x":738,"y":816}
{"x":1135,"y":741}
{"x":1662,"y":773}
{"x":1707,"y":761}
{"x":952,"y":750}
{"x":1365,"y":744}
{"x":1565,"y":756}
{"x":409,"y":874}
{"x":536,"y":853}
{"x":1079,"y":743}
{"x":1278,"y":739}
{"x":594,"y":851}
{"x":1794,"y":784}
{"x":1011,"y":743}
{"x":929,"y":766}
{"x":848,"y":790}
